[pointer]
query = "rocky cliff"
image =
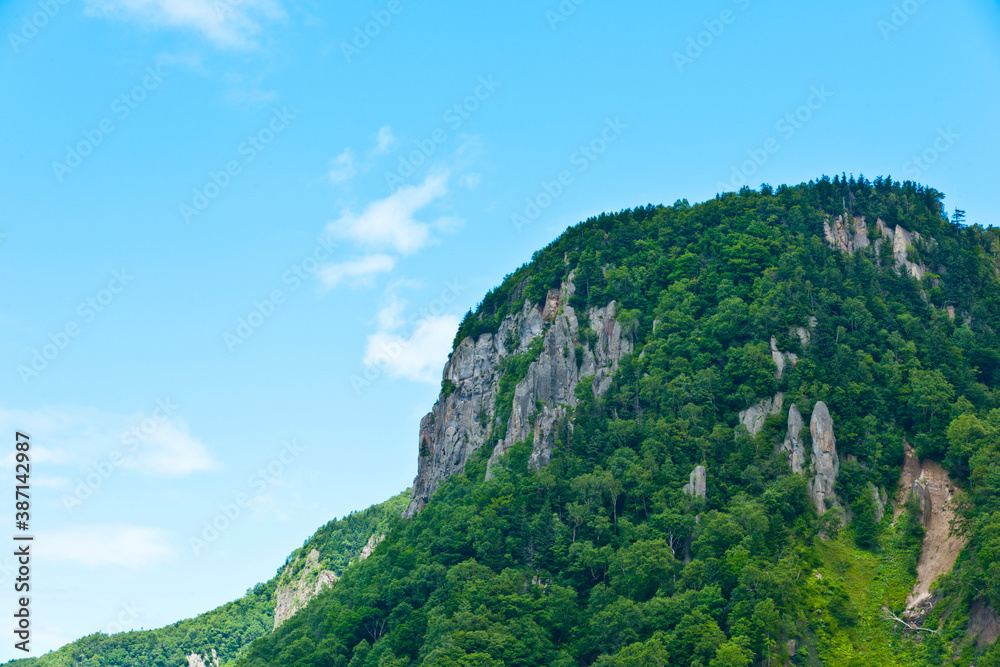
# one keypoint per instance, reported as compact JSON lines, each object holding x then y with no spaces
{"x":295,"y":591}
{"x":825,"y":462}
{"x":465,"y":417}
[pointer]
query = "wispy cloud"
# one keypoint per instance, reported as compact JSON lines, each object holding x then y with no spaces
{"x":389,"y":223}
{"x":76,"y":436}
{"x":343,"y":167}
{"x":107,"y":545}
{"x":417,"y":354}
{"x":170,"y":451}
{"x":386,"y":140}
{"x":357,"y":272}
{"x":231,"y":24}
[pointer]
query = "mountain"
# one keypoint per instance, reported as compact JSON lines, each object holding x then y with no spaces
{"x":217,"y":637}
{"x":759,"y":430}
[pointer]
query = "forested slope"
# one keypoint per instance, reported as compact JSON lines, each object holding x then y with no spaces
{"x":653,"y":516}
{"x":221,"y":634}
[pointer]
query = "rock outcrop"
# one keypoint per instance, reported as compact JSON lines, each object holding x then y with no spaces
{"x":934,"y":492}
{"x":463,"y":421}
{"x":196,"y":660}
{"x":792,"y":444}
{"x":849,"y":233}
{"x":697,"y":484}
{"x":753,"y":417}
{"x":295,"y":591}
{"x":370,"y":545}
{"x":782,"y":359}
{"x":983,"y":623}
{"x":825,"y":462}
{"x":900,"y":239}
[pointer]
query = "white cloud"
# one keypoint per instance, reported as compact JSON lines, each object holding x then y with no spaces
{"x":386,"y":140}
{"x":390,"y":223}
{"x":107,"y":545}
{"x":344,"y":167}
{"x":170,"y":451}
{"x":76,"y":437}
{"x":227,"y":23}
{"x":357,"y":271}
{"x":418,"y":357}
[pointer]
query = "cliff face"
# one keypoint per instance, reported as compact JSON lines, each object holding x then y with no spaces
{"x":294,"y":593}
{"x":465,"y":419}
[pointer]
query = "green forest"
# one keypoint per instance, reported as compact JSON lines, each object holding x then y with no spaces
{"x":600,"y":557}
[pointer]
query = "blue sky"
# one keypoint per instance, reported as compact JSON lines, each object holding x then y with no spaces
{"x":238,"y":235}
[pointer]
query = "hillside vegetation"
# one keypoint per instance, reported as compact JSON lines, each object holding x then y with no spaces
{"x":661,"y":522}
{"x":229,"y":628}
{"x":603,"y":557}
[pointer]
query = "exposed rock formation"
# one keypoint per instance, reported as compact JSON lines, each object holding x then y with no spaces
{"x":195,"y":660}
{"x":295,"y":592}
{"x":754,"y":416}
{"x":900,"y":239}
{"x":825,"y":462}
{"x":781,"y":359}
{"x":804,"y":334}
{"x":852,"y":235}
{"x":793,"y":441}
{"x":940,"y":549}
{"x":696,"y":487}
{"x":847,"y":234}
{"x":984,"y":623}
{"x":370,"y":545}
{"x":920,"y":491}
{"x":880,"y":500}
{"x":463,"y":421}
